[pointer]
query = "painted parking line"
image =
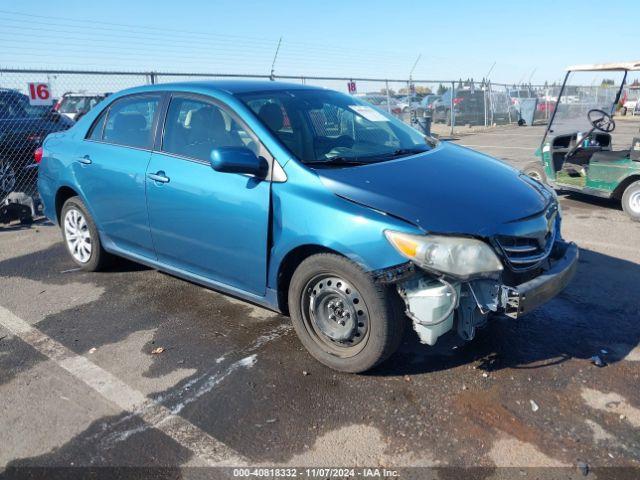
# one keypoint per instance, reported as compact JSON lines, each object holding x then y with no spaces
{"x":208,"y":450}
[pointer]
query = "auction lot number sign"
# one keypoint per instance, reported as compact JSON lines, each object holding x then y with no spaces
{"x":39,"y":94}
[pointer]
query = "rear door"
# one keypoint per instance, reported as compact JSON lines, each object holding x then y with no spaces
{"x":110,"y":167}
{"x":205,"y":222}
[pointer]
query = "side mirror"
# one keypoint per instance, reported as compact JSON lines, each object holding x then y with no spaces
{"x":238,"y":160}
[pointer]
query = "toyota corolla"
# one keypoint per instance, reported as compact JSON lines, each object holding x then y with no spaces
{"x":309,"y":202}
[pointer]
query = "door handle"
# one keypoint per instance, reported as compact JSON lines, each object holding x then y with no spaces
{"x":85,"y":159}
{"x":159,"y":177}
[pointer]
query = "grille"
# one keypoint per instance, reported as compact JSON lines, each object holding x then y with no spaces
{"x":524,"y":253}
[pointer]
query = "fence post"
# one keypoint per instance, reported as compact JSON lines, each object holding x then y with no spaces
{"x":451,"y":104}
{"x":152,"y":78}
{"x":386,"y":86}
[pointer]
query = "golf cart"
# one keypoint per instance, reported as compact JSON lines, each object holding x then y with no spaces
{"x":577,"y":151}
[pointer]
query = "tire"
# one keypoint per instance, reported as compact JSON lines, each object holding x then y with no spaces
{"x":535,"y":170}
{"x":631,"y":201}
{"x":8,"y":177}
{"x":81,"y":237}
{"x":327,"y":285}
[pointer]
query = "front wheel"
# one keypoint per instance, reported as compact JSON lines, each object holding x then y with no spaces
{"x":535,"y":170}
{"x":631,"y":201}
{"x":342,"y":317}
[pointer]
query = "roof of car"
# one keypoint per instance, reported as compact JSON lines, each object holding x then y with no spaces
{"x":236,"y":86}
{"x":595,"y":67}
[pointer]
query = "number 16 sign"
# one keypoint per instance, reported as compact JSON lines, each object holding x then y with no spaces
{"x":39,"y":94}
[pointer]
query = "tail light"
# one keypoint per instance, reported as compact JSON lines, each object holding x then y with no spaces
{"x":457,"y":101}
{"x":37,"y":155}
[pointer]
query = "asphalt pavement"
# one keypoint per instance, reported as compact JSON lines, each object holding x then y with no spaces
{"x":135,"y":368}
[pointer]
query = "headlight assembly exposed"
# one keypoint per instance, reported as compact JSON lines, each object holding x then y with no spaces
{"x":460,"y":257}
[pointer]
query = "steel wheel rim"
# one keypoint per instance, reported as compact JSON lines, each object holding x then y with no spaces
{"x":7,"y":177}
{"x":335,"y":315}
{"x":77,"y":235}
{"x":634,"y":202}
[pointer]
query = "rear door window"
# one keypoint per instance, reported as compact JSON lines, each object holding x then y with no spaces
{"x":130,"y":121}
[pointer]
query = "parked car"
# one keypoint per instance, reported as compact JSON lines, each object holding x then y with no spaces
{"x":346,"y":219}
{"x":469,"y":108}
{"x":630,"y":102}
{"x":428,"y":102}
{"x":75,"y":105}
{"x":22,"y":129}
{"x":412,"y":102}
{"x":381,"y":102}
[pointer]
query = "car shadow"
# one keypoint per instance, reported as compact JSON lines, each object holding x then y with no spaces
{"x":589,"y":200}
{"x":12,"y":227}
{"x":596,"y":315}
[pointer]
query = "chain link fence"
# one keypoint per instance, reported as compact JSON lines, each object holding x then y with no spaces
{"x":442,"y":107}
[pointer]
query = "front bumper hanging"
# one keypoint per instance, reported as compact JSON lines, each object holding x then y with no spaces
{"x":527,"y":296}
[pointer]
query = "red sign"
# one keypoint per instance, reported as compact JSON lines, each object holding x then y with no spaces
{"x":39,"y":94}
{"x":352,"y":87}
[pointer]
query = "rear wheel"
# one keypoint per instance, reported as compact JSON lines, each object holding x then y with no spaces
{"x":535,"y":170}
{"x":342,"y":317}
{"x":631,"y":201}
{"x":81,"y":236}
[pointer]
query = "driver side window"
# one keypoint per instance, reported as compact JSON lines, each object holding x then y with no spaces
{"x":193,"y":128}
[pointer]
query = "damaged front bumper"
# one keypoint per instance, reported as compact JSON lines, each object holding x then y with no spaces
{"x":436,"y":305}
{"x":521,"y":299}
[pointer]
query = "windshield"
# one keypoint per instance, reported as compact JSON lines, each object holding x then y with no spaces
{"x":14,"y":106}
{"x":78,"y":104}
{"x":584,"y":91}
{"x":327,"y":127}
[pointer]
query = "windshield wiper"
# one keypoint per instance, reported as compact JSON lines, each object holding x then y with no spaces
{"x":333,"y":161}
{"x":407,"y":151}
{"x":400,"y":152}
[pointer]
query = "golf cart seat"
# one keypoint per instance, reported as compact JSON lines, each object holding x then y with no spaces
{"x":610,"y":155}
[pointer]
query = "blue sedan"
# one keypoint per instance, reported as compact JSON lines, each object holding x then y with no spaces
{"x":309,"y":202}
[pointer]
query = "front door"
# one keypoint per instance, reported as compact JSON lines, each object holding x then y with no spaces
{"x":205,"y":222}
{"x":110,"y":167}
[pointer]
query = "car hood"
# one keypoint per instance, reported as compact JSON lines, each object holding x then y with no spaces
{"x":449,"y":189}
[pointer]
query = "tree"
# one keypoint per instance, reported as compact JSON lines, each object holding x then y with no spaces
{"x":442,"y":89}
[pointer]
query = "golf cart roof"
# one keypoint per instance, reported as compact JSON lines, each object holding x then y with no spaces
{"x":595,"y":67}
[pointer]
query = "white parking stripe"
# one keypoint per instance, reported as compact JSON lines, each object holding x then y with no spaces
{"x":208,"y":450}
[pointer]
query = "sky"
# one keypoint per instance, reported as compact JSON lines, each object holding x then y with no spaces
{"x":527,"y":40}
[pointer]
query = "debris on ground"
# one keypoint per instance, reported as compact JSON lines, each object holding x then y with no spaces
{"x":304,"y":372}
{"x":157,"y":351}
{"x":598,"y":362}
{"x":534,"y":405}
{"x":407,"y":378}
{"x":93,"y":349}
{"x":583,"y":467}
{"x":271,"y":420}
{"x":485,"y":374}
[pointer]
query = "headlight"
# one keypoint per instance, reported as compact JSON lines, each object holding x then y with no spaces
{"x":457,"y":256}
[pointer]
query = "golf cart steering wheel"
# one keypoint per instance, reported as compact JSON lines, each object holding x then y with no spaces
{"x":601,"y":120}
